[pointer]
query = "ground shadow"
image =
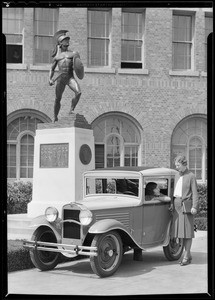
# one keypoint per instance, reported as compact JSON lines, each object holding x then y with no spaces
{"x":129,"y":267}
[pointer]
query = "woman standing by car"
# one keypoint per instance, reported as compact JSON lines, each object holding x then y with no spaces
{"x":185,"y":196}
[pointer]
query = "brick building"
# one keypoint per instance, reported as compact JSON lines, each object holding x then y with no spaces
{"x":145,"y":86}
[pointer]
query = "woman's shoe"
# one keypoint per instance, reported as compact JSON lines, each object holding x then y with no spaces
{"x":186,"y":261}
{"x":190,"y":258}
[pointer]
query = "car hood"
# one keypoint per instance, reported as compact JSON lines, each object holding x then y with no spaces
{"x":105,"y":202}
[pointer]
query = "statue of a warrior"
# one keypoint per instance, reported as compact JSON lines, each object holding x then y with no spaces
{"x":67,"y":62}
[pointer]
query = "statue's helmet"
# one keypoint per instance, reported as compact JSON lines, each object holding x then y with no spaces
{"x":60,"y":35}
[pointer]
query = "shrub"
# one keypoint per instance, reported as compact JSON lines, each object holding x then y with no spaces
{"x":18,"y":258}
{"x":201,"y":217}
{"x":19,"y":194}
{"x":203,"y":199}
{"x":201,"y":223}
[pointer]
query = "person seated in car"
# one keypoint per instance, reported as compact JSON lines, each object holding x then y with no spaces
{"x":153,"y":192}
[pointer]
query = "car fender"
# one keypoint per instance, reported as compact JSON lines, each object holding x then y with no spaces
{"x":103,"y":226}
{"x":41,"y":221}
{"x":106,"y":225}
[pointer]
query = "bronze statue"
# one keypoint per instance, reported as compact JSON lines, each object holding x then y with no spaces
{"x":67,"y":62}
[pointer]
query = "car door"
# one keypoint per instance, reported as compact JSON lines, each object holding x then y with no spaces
{"x":156,"y":214}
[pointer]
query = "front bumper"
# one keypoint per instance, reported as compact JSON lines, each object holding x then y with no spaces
{"x":61,"y":248}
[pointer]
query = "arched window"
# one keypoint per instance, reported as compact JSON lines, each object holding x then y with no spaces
{"x":26,"y":156}
{"x":190,"y":139}
{"x":20,"y":144}
{"x":195,"y":156}
{"x":117,"y":141}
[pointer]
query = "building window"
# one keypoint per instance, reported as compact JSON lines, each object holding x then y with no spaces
{"x":190,"y":139}
{"x":131,"y":39}
{"x":14,"y":31}
{"x":117,"y":142}
{"x":99,"y":24}
{"x":45,"y":26}
{"x":113,"y":151}
{"x":20,"y":146}
{"x":26,"y":156}
{"x":208,"y":30}
{"x":183,"y":42}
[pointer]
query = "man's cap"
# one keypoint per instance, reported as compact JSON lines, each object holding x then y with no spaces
{"x":60,"y":35}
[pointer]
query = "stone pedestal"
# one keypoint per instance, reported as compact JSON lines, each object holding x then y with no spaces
{"x":63,"y":151}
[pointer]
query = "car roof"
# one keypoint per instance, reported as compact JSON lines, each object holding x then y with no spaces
{"x":135,"y":169}
{"x":144,"y":170}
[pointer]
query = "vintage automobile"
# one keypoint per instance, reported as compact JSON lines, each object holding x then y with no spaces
{"x":113,"y":217}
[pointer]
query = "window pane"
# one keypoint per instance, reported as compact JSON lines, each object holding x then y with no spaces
{"x":113,"y":151}
{"x":182,"y":42}
{"x":98,"y":38}
{"x":208,"y":30}
{"x":13,"y":29}
{"x":208,"y":26}
{"x":195,"y":157}
{"x":99,"y":156}
{"x":132,"y":25}
{"x":131,"y":50}
{"x":11,"y":161}
{"x":14,"y":54}
{"x":12,"y":20}
{"x":181,"y":56}
{"x":98,"y":52}
{"x":98,"y":23}
{"x":131,"y":44}
{"x":182,"y":28}
{"x":45,"y":25}
{"x":131,"y":155}
{"x":26,"y":155}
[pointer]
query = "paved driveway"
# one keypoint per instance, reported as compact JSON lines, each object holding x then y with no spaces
{"x":153,"y":275}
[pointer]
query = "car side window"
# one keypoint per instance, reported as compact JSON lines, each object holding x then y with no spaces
{"x":156,"y":189}
{"x":114,"y":185}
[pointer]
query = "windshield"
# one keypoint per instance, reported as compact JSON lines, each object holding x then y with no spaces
{"x":126,"y":186}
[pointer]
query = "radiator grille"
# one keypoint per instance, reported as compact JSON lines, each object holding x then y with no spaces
{"x":71,"y":230}
{"x":121,"y":217}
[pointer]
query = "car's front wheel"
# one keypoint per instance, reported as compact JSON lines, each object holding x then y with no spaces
{"x":110,"y":251}
{"x":174,"y":249}
{"x":44,"y":260}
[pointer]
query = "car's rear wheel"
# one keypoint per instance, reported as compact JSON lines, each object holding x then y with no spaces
{"x":174,"y":249}
{"x":44,"y":260}
{"x":110,"y":252}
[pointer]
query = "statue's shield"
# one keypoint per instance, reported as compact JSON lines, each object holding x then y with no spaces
{"x":78,"y":67}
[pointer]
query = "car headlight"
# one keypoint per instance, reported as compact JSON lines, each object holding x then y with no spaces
{"x":51,"y":214}
{"x":85,"y":217}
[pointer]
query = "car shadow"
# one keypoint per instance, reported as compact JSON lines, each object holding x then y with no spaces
{"x":129,"y":267}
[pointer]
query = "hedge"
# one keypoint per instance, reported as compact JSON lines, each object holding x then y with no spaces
{"x":18,"y":258}
{"x":19,"y":194}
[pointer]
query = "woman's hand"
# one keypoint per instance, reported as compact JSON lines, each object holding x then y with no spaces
{"x":193,"y":211}
{"x":171,"y":207}
{"x":51,"y":82}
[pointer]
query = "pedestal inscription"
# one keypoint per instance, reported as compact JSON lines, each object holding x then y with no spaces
{"x":54,"y":155}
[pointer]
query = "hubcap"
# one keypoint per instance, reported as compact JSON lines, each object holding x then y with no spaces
{"x":110,"y":253}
